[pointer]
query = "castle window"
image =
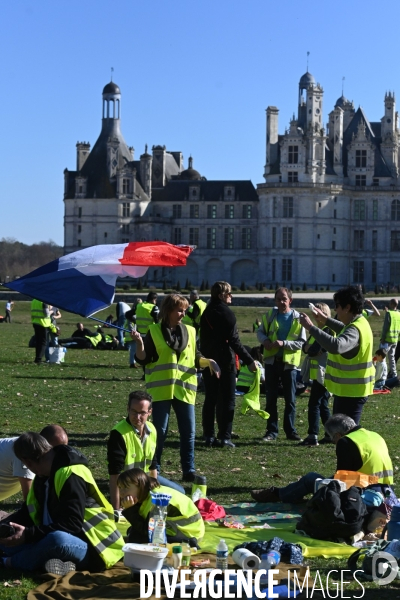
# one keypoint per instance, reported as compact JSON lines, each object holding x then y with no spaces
{"x":247,"y":211}
{"x":274,"y":206}
{"x":194,"y":211}
{"x":359,"y":210}
{"x":211,"y":211}
{"x":334,"y":213}
{"x":358,"y":271}
{"x":126,"y":209}
{"x":395,"y":271}
{"x":286,"y":269}
{"x":373,"y":271}
{"x":375,"y":210}
{"x":394,"y":241}
{"x":293,"y":155}
{"x":333,"y":245}
{"x":334,"y":230}
{"x":176,"y":211}
{"x":79,"y":212}
{"x":293,"y":177}
{"x":177,"y":235}
{"x":79,"y":228}
{"x":287,"y":236}
{"x":246,"y":238}
{"x":358,"y":239}
{"x":287,"y":206}
{"x":333,"y":277}
{"x":81,"y":189}
{"x":105,"y":234}
{"x":395,"y":212}
{"x":361,"y":159}
{"x":194,"y":236}
{"x":126,"y":186}
{"x":273,"y":268}
{"x":229,"y":238}
{"x":229,"y":211}
{"x":375,"y":181}
{"x":211,"y":238}
{"x":361,"y":180}
{"x":125,"y":229}
{"x":79,"y":243}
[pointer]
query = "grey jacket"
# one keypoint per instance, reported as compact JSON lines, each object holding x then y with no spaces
{"x":292,"y":344}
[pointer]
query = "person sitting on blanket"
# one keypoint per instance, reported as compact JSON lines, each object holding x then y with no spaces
{"x":381,"y":380}
{"x":184,"y":522}
{"x":357,"y":449}
{"x":66,"y":523}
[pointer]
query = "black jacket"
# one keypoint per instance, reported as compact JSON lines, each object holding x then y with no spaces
{"x":219,"y":337}
{"x":67,"y":510}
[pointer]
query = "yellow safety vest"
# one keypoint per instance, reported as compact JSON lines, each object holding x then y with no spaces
{"x":374,"y":454}
{"x":169,"y":377}
{"x":138,"y":455}
{"x":270,"y":322}
{"x":98,"y":521}
{"x":352,"y":377}
{"x":187,"y":319}
{"x":95,"y":339}
{"x":143,"y":317}
{"x":188,"y":524}
{"x":393,"y":334}
{"x":246,"y":377}
{"x":37,"y":315}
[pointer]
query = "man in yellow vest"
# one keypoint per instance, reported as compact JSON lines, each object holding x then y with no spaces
{"x":357,"y":449}
{"x":147,"y":313}
{"x":132,"y":444}
{"x":282,"y":337}
{"x":66,"y":523}
{"x":195,"y":310}
{"x":391,"y":334}
{"x":41,"y":321}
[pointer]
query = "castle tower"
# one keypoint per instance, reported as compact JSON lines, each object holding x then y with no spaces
{"x":272,"y":146}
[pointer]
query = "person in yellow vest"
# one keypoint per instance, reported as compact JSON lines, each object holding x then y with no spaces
{"x":282,"y":336}
{"x":183,"y":522}
{"x":41,"y":321}
{"x":147,"y":313}
{"x":132,"y":444}
{"x":391,"y":334}
{"x":66,"y":523}
{"x":319,"y":395}
{"x":357,"y":449}
{"x":350,"y":373}
{"x":194,"y":311}
{"x":171,"y":358}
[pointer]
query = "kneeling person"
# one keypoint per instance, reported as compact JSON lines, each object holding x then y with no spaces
{"x":184,"y":522}
{"x":66,"y":522}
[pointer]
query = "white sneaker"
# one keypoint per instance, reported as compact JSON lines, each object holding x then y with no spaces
{"x":58,"y":567}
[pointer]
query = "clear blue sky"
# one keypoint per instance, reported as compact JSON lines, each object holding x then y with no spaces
{"x":196,"y":76}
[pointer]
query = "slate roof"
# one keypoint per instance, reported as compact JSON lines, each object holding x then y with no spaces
{"x":210,"y":191}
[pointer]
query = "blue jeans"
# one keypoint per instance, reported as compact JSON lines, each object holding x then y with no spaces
{"x":171,"y":484}
{"x":317,"y":407}
{"x":187,"y":427}
{"x":58,"y":544}
{"x":352,"y":407}
{"x":132,"y":352}
{"x":120,"y":334}
{"x":273,"y":375}
{"x":295,"y":492}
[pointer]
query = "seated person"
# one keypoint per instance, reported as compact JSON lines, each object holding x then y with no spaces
{"x":357,"y":449}
{"x":381,"y":380}
{"x":184,"y":522}
{"x":14,"y":474}
{"x":66,"y":522}
{"x":132,"y":443}
{"x":83,"y":338}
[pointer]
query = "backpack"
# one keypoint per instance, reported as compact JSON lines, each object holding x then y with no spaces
{"x":333,"y":515}
{"x":368,"y":556}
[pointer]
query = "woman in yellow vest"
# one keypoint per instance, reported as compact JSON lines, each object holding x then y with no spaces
{"x":184,"y":522}
{"x":350,"y":373}
{"x":171,"y":358}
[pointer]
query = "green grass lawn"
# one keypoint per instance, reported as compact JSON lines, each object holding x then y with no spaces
{"x":88,"y":393}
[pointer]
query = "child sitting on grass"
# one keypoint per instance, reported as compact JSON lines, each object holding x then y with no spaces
{"x":381,"y":381}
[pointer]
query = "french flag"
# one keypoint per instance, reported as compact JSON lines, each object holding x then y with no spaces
{"x":83,"y":282}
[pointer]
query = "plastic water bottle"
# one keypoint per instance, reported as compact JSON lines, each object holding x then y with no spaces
{"x":186,"y":556}
{"x":222,"y":556}
{"x":270,"y":560}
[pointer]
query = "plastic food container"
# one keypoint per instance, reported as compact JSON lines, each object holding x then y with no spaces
{"x":144,"y":556}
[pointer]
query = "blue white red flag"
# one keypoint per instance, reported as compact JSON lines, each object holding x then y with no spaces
{"x":83,"y":282}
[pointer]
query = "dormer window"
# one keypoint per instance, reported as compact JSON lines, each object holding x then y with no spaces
{"x":229,"y":192}
{"x":361,"y":159}
{"x":194,"y":193}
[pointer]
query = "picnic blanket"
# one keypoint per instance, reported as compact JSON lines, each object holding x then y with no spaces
{"x":117,"y":584}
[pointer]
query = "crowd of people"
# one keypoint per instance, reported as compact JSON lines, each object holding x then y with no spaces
{"x":66,"y":522}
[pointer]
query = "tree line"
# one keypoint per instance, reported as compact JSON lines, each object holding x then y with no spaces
{"x":17,"y":259}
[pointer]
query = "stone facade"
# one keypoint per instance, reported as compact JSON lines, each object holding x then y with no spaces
{"x":330,"y":207}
